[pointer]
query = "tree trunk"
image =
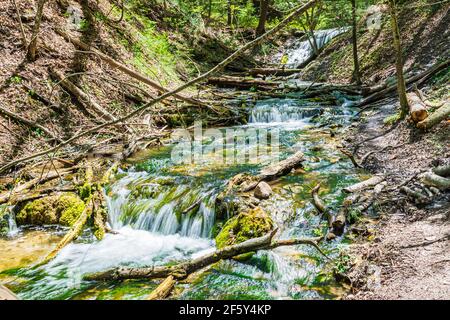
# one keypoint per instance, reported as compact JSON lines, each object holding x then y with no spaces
{"x":417,"y":108}
{"x":401,"y":86}
{"x":436,"y":117}
{"x":229,"y":13}
{"x":182,"y":270}
{"x":356,"y":71}
{"x":32,"y":47}
{"x":263,"y":10}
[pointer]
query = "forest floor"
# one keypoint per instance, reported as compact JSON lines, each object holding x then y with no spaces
{"x":409,"y":256}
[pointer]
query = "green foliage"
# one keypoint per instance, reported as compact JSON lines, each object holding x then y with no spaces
{"x":392,"y":119}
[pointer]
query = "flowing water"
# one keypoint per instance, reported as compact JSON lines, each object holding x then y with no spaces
{"x":302,"y":50}
{"x":164,"y":213}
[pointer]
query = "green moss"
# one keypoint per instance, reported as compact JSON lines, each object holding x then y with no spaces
{"x":85,"y":191}
{"x":4,"y":223}
{"x":64,"y":209}
{"x":70,"y":207}
{"x":252,"y":224}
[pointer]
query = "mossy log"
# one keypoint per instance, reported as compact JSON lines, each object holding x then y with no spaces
{"x":441,"y":114}
{"x":182,"y":270}
{"x":243,"y":83}
{"x":163,"y":290}
{"x":7,"y":196}
{"x":432,"y":179}
{"x":273,"y":71}
{"x":443,"y":171}
{"x":417,"y":108}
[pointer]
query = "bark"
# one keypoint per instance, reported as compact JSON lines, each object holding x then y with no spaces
{"x":182,"y":270}
{"x":29,"y":123}
{"x":164,"y":96}
{"x":115,"y":64}
{"x":369,"y":183}
{"x":85,"y":99}
{"x":434,"y":180}
{"x":263,"y":8}
{"x":22,"y":30}
{"x":32,"y":47}
{"x":317,"y":202}
{"x":441,"y":114}
{"x":356,"y":71}
{"x":242,"y":83}
{"x":281,"y":168}
{"x":8,"y":196}
{"x":273,"y":72}
{"x":401,"y":85}
{"x":163,"y":290}
{"x":417,"y":108}
{"x":443,"y":171}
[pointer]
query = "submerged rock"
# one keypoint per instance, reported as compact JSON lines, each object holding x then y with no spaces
{"x":263,"y":190}
{"x":247,"y":225}
{"x":62,"y":209}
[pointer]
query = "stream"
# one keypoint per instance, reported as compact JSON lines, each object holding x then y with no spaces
{"x":147,"y":205}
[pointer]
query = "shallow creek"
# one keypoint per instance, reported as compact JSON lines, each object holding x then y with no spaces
{"x":148,"y":206}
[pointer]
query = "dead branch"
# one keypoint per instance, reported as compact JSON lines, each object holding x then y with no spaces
{"x":163,"y":290}
{"x":183,"y":269}
{"x":366,"y":184}
{"x":22,"y":30}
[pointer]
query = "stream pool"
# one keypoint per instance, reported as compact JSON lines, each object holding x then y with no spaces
{"x":164,"y":213}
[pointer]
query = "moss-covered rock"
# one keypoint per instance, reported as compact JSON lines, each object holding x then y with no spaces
{"x":58,"y":209}
{"x":247,"y":225}
{"x":4,"y":221}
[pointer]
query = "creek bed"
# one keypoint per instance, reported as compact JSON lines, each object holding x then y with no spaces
{"x":165,"y":213}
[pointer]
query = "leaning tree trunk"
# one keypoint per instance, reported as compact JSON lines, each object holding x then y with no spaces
{"x":401,"y":86}
{"x":32,"y":47}
{"x":356,"y":71}
{"x":264,"y":9}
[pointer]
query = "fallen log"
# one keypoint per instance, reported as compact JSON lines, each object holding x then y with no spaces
{"x":182,"y":270}
{"x":443,"y":113}
{"x":293,"y":15}
{"x":416,"y":195}
{"x":6,"y":196}
{"x":85,"y":98}
{"x":317,"y":202}
{"x":443,"y":171}
{"x":380,"y":92}
{"x":273,"y":71}
{"x":29,"y":123}
{"x":417,"y":108}
{"x":281,"y":168}
{"x":123,"y":68}
{"x":242,"y":83}
{"x":366,"y":184}
{"x":432,"y":179}
{"x":163,"y":290}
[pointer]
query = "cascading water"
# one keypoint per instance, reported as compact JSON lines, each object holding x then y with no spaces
{"x":165,"y":213}
{"x":303,"y":50}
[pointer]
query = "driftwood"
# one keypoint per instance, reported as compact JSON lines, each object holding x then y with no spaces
{"x":294,"y":14}
{"x":317,"y":202}
{"x":417,"y":108}
{"x":182,"y":270}
{"x":6,"y":294}
{"x":436,"y":117}
{"x":381,"y":91}
{"x":273,"y":71}
{"x":30,"y":123}
{"x":123,"y":68}
{"x":163,"y":290}
{"x":366,"y":184}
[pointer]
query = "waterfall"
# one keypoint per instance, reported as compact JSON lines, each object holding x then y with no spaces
{"x":303,"y":50}
{"x":161,"y":205}
{"x":276,"y":111}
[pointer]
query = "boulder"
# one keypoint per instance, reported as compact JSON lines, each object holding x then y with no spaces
{"x":62,"y":209}
{"x":262,"y":190}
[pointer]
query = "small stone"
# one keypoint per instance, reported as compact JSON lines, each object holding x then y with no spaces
{"x":263,"y":190}
{"x":331,"y":236}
